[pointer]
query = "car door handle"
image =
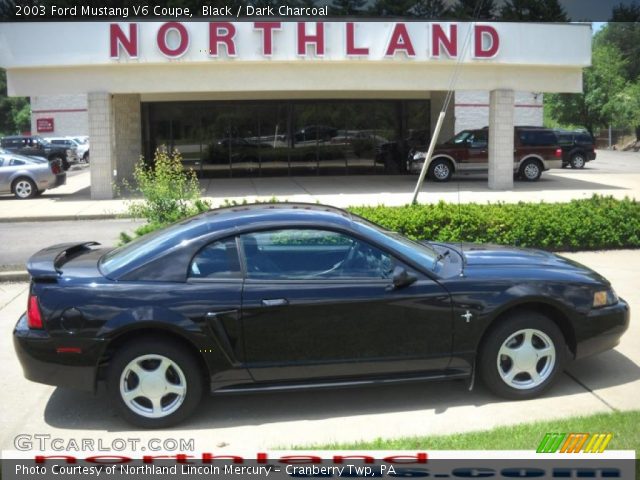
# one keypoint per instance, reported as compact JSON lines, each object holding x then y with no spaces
{"x":275,"y":302}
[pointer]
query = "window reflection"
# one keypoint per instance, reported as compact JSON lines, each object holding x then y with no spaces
{"x":268,"y":138}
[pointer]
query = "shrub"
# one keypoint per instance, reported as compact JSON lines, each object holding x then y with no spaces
{"x":169,"y":192}
{"x":590,"y":224}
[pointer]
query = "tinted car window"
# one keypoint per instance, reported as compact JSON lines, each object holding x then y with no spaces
{"x":216,"y":260}
{"x":16,"y":161}
{"x":312,"y":254}
{"x":584,"y":138}
{"x":537,"y":137}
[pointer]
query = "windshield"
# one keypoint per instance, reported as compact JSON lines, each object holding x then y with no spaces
{"x":460,"y":138}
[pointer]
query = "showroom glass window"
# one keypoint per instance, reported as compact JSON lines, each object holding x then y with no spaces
{"x":310,"y":254}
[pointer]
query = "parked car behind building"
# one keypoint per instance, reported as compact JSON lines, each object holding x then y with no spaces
{"x":535,"y":150}
{"x":69,"y":144}
{"x":578,"y":148}
{"x":27,"y":177}
{"x":35,"y":146}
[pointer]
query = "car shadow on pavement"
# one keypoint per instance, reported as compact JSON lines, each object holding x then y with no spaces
{"x":79,"y":410}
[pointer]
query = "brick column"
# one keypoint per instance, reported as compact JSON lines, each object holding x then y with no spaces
{"x":101,"y":138}
{"x":128,"y":134}
{"x":501,"y":139}
{"x":448,"y":127}
{"x":115,"y":133}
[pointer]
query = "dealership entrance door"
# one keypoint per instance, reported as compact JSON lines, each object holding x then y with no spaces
{"x":288,"y":137}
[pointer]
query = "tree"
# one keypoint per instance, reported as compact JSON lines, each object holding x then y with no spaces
{"x":393,"y":8}
{"x":15,"y":112}
{"x":347,"y":7}
{"x":430,"y":9}
{"x":602,"y":100}
{"x":533,"y":11}
{"x":625,"y":36}
{"x":474,"y":9}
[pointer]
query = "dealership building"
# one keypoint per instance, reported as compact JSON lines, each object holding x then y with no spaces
{"x":275,"y":98}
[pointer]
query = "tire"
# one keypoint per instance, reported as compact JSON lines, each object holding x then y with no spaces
{"x":577,"y":161}
{"x":24,"y":188}
{"x":85,"y":157}
{"x":530,"y":170}
{"x":182,"y":374}
{"x":440,"y":170}
{"x":508,"y":376}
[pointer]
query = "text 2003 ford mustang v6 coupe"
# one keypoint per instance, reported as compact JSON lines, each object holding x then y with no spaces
{"x":284,"y":296}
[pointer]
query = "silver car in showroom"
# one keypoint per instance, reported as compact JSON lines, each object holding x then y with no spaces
{"x":27,"y":177}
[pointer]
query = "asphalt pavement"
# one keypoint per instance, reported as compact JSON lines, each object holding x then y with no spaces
{"x":20,"y":240}
{"x":603,"y":383}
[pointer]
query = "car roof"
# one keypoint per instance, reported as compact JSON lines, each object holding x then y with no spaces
{"x":285,"y":212}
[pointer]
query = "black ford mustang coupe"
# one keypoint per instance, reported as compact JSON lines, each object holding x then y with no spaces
{"x":284,"y":296}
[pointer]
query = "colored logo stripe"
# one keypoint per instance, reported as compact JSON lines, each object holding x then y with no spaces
{"x":574,"y":442}
{"x":550,"y":443}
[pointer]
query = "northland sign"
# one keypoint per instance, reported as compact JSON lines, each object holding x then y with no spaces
{"x":369,"y":40}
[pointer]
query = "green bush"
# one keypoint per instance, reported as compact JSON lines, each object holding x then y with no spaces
{"x":169,"y":193}
{"x":590,"y":224}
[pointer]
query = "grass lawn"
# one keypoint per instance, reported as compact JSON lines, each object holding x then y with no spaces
{"x":625,"y":427}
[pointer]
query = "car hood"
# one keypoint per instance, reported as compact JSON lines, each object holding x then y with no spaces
{"x":507,"y":261}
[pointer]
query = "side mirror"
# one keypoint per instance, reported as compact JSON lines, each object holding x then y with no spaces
{"x":401,"y":278}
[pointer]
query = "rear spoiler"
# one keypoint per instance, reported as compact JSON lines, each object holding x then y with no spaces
{"x":45,"y":265}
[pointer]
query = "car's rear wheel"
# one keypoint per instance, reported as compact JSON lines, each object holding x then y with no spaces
{"x":577,"y":160}
{"x":24,"y":188}
{"x":530,"y":170}
{"x":440,"y":170}
{"x":522,"y":356}
{"x":154,"y":383}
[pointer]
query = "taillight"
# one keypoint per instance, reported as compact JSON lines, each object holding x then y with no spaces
{"x":55,"y":168}
{"x":558,"y":153}
{"x":34,"y":317}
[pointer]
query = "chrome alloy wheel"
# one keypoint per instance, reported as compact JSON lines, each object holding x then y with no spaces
{"x":526,"y":359}
{"x":23,"y":189}
{"x":531,"y":171}
{"x":578,"y":161}
{"x":441,"y":171}
{"x":153,"y":386}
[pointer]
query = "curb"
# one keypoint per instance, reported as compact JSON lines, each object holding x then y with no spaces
{"x":14,"y":276}
{"x":61,"y":218}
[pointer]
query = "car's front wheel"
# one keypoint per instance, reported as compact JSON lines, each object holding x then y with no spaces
{"x":522,"y":356}
{"x":154,"y":383}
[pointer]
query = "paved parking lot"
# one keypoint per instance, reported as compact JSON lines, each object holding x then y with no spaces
{"x":599,"y":384}
{"x":613,"y":173}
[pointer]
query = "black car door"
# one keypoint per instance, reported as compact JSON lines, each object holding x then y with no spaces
{"x":213,"y":293}
{"x":319,"y":303}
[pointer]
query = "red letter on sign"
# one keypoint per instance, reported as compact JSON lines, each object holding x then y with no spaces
{"x":351,"y":42}
{"x":400,"y":40}
{"x":304,"y":39}
{"x":480,"y":32}
{"x":162,"y":39}
{"x":267,"y":35}
{"x":440,"y":39}
{"x":118,"y":38}
{"x":215,"y":38}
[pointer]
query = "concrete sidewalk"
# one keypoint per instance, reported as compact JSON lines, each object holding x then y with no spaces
{"x":607,"y":382}
{"x":613,"y":173}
